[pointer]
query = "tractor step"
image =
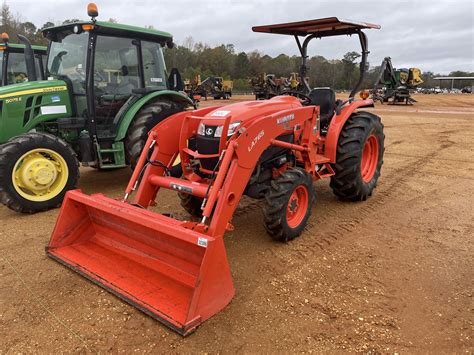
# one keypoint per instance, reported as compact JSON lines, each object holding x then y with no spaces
{"x":112,"y":158}
{"x":325,"y":172}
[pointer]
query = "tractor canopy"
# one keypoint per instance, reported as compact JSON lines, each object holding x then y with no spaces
{"x":324,"y":27}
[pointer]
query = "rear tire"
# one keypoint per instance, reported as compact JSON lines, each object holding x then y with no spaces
{"x":148,"y":117}
{"x":359,"y":157}
{"x":36,"y":171}
{"x":288,"y":204}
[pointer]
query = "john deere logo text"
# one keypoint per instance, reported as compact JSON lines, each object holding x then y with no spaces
{"x":54,"y":89}
{"x":255,"y":140}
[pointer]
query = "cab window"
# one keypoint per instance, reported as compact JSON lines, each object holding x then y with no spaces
{"x":116,"y":66}
{"x":153,"y":64}
{"x":16,"y":69}
{"x":116,"y":75}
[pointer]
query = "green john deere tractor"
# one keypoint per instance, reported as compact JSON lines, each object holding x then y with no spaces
{"x":107,"y":87}
{"x":13,"y":61}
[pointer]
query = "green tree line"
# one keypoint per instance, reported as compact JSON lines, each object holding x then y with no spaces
{"x":192,"y":58}
{"x":198,"y":58}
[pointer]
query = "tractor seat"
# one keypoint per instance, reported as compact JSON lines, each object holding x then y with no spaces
{"x":175,"y":81}
{"x":325,"y":98}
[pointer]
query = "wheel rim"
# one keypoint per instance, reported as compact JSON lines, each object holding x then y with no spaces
{"x":370,"y":157}
{"x":297,"y":206}
{"x":40,"y":175}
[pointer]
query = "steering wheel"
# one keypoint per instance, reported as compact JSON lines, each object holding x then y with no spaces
{"x":305,"y":99}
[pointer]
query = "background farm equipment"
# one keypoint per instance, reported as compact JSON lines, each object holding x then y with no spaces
{"x":266,"y":86}
{"x":214,"y":86}
{"x":177,"y":271}
{"x":107,"y":89}
{"x":14,"y":59}
{"x":395,"y":86}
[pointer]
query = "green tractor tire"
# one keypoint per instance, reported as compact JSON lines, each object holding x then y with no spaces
{"x":36,"y":171}
{"x":149,"y":116}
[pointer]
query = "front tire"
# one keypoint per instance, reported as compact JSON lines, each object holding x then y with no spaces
{"x":359,"y":157}
{"x":288,"y":204}
{"x":148,"y":117}
{"x":36,"y":171}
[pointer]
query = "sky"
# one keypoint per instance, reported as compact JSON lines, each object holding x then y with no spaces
{"x":436,"y":35}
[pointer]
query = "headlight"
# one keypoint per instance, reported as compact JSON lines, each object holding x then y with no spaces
{"x":201,"y":129}
{"x":232,"y":128}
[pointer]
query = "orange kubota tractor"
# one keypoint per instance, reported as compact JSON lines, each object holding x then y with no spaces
{"x":176,"y":270}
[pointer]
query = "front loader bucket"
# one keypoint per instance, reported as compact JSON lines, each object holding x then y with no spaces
{"x":174,"y":274}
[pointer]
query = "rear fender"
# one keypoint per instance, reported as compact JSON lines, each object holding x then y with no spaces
{"x":133,"y":110}
{"x":336,"y":125}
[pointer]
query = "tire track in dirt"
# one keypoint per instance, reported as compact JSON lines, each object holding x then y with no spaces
{"x":401,"y":177}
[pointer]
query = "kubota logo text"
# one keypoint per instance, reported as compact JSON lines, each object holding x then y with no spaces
{"x":255,"y":140}
{"x":287,"y":118}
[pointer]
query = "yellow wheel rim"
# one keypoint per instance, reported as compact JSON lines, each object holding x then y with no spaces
{"x":40,"y":175}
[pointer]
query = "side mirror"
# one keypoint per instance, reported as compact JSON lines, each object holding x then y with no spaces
{"x":170,"y":44}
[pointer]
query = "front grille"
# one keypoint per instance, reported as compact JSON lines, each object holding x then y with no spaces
{"x":208,"y":145}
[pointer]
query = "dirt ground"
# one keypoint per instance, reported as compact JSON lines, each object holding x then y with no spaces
{"x":391,"y":274}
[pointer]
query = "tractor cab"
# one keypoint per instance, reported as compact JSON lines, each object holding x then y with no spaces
{"x":103,"y":71}
{"x":107,"y":67}
{"x":13,"y":63}
{"x":304,"y":32}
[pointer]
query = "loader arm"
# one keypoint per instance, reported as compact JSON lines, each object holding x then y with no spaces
{"x":165,"y":152}
{"x":238,"y":160}
{"x":386,"y":69}
{"x":383,"y":66}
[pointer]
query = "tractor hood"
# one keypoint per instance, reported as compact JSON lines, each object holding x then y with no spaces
{"x":25,"y":106}
{"x":33,"y":87}
{"x":242,"y":111}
